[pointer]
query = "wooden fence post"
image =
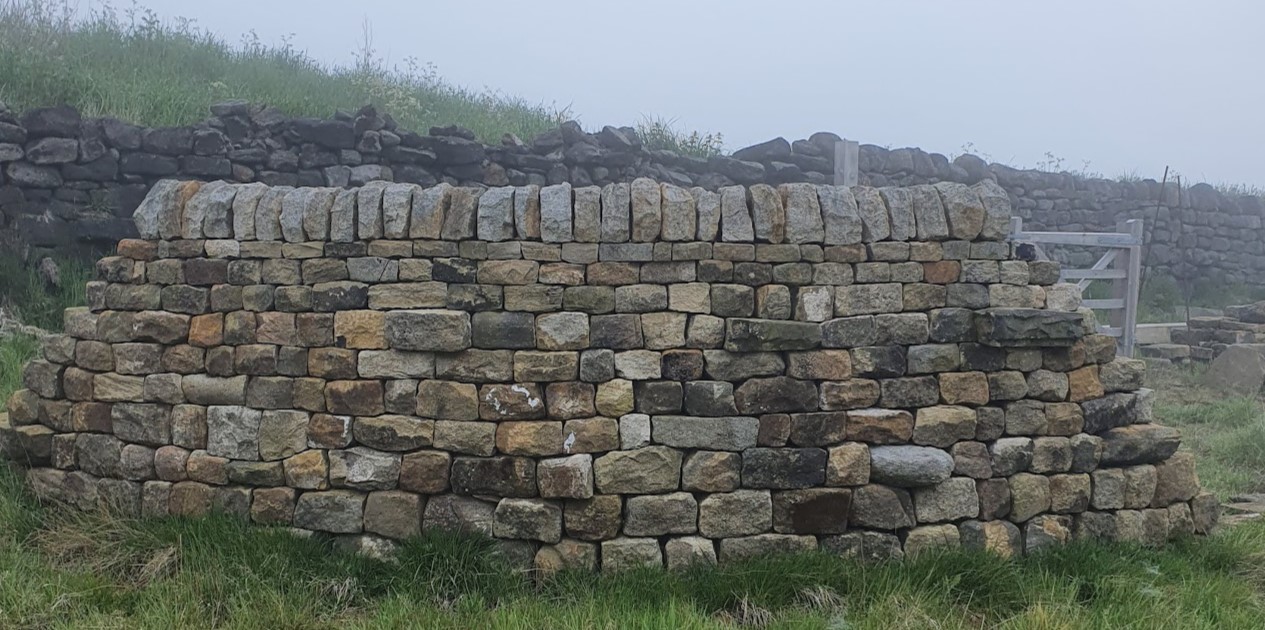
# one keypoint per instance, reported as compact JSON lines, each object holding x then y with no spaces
{"x":847,"y":162}
{"x":1131,"y":262}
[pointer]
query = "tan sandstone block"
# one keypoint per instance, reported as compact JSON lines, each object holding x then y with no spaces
{"x":1083,"y":384}
{"x":362,"y":330}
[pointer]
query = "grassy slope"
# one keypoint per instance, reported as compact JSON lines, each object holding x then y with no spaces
{"x":134,"y":67}
{"x":1226,"y":433}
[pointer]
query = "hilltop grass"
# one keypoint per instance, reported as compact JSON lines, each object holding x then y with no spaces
{"x":99,"y":570}
{"x":139,"y":68}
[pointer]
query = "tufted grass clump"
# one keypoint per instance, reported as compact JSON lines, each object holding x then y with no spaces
{"x":15,"y":351}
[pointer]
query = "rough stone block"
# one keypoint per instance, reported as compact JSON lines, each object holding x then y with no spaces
{"x":783,"y":468}
{"x":624,"y":554}
{"x":641,"y":471}
{"x":528,"y":519}
{"x":658,"y":515}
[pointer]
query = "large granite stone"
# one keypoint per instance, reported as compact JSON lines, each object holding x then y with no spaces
{"x":909,"y":466}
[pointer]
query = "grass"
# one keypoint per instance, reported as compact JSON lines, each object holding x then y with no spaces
{"x":1226,"y":434}
{"x":68,"y":569}
{"x":25,"y":299}
{"x":133,"y":66}
{"x":15,"y":352}
{"x":1163,"y":299}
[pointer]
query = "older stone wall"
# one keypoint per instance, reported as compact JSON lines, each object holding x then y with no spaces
{"x":67,"y":180}
{"x":616,"y":376}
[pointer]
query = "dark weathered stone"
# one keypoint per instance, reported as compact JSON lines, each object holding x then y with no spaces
{"x":658,"y":397}
{"x":776,"y":394}
{"x":1139,"y":444}
{"x":497,"y":476}
{"x":729,"y":366}
{"x":811,"y":511}
{"x":1115,"y":410}
{"x":783,"y":468}
{"x":878,"y":361}
{"x":429,"y":330}
{"x":881,"y":507}
{"x":756,"y":335}
{"x":503,"y":330}
{"x":1028,"y":327}
{"x":818,"y":429}
{"x":336,"y":511}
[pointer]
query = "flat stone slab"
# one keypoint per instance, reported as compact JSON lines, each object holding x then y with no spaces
{"x":1028,"y":328}
{"x":732,"y":433}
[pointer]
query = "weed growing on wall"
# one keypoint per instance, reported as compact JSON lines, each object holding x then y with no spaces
{"x":660,"y":133}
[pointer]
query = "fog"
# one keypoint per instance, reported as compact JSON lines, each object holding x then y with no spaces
{"x":1120,"y":87}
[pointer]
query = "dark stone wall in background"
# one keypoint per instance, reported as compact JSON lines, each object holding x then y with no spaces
{"x":67,"y":181}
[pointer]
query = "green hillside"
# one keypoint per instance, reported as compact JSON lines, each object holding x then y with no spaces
{"x":131,"y":65}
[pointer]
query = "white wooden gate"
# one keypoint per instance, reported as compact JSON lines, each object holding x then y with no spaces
{"x":1121,"y":266}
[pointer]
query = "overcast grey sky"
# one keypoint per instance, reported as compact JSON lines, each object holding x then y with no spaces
{"x":1128,"y":85}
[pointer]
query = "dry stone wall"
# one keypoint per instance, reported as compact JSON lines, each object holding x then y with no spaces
{"x":66,"y":180}
{"x":635,"y":374}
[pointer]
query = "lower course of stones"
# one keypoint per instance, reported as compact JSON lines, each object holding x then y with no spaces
{"x":601,"y":377}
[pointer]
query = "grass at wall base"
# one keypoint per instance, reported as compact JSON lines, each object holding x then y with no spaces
{"x":71,"y":569}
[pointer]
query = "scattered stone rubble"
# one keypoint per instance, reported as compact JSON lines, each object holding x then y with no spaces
{"x":1206,"y":337}
{"x":618,"y":376}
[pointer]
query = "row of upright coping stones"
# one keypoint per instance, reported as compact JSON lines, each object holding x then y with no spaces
{"x":643,"y":211}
